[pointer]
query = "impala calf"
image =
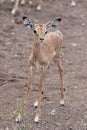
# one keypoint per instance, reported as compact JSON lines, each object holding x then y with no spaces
{"x":16,"y":4}
{"x":46,"y":46}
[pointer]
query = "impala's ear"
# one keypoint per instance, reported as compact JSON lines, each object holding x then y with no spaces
{"x":53,"y":23}
{"x":28,"y":22}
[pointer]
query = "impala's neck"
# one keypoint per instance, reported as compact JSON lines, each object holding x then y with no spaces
{"x":36,"y":49}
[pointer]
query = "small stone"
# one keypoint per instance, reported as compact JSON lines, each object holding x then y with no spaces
{"x":74,"y":44}
{"x":18,"y":20}
{"x":7,"y":43}
{"x":16,"y":55}
{"x":83,"y":24}
{"x":7,"y":128}
{"x":13,"y":33}
{"x":52,"y":113}
{"x":4,"y":25}
{"x":73,"y":3}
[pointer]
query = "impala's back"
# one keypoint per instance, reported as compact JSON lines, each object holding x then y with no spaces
{"x":54,"y":39}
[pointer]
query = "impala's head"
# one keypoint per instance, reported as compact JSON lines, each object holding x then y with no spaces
{"x":40,"y":30}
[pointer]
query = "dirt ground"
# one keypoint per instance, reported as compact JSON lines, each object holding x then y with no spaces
{"x":15,"y":46}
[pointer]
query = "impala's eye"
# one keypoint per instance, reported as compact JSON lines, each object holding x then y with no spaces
{"x":46,"y":32}
{"x":35,"y":31}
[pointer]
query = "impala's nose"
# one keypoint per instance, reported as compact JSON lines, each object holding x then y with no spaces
{"x":41,"y":40}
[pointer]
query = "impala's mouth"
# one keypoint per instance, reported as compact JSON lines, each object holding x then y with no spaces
{"x":40,"y":41}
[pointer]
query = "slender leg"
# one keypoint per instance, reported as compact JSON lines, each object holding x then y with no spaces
{"x":58,"y":62}
{"x":39,"y":5}
{"x":15,"y":8}
{"x":41,"y":84}
{"x":29,"y":86}
{"x":62,"y":83}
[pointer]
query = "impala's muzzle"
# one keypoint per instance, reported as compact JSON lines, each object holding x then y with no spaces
{"x":40,"y":40}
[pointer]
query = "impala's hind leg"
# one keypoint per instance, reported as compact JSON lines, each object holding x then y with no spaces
{"x":57,"y":60}
{"x":39,"y":5}
{"x":15,"y":8}
{"x":29,"y":85}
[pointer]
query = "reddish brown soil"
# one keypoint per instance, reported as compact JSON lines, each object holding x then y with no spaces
{"x":15,"y":45}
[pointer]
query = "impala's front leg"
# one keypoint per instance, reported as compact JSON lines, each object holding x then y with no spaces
{"x":38,"y":101}
{"x":29,"y":86}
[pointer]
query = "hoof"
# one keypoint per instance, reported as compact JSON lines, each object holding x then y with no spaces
{"x":18,"y":119}
{"x":37,"y":120}
{"x":36,"y":105}
{"x":13,"y":12}
{"x":62,"y":103}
